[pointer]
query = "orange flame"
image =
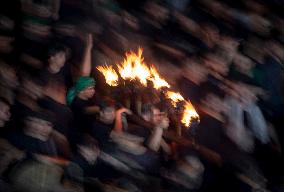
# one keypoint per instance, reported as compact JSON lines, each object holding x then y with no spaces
{"x":175,"y":97}
{"x":109,"y":74}
{"x":157,"y":80}
{"x":189,"y":114}
{"x":133,"y":67}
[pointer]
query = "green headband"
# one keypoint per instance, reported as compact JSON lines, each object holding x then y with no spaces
{"x":81,"y":84}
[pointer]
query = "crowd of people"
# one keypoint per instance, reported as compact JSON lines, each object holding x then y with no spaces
{"x":63,"y":128}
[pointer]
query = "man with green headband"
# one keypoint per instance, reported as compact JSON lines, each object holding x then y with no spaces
{"x":80,"y":99}
{"x":84,"y":88}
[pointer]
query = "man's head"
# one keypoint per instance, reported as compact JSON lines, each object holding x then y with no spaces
{"x":57,"y":56}
{"x":152,"y":113}
{"x":87,"y":93}
{"x":4,"y":111}
{"x":84,"y":88}
{"x":38,"y":126}
{"x":107,"y":111}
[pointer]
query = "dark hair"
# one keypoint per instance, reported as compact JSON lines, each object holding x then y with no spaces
{"x":25,"y":75}
{"x":106,"y":102}
{"x":43,"y":114}
{"x":57,"y":48}
{"x":146,"y":108}
{"x":88,"y":141}
{"x":4,"y":100}
{"x":209,"y":88}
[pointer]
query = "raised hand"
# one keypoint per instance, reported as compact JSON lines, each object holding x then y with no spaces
{"x":124,"y":110}
{"x":89,"y":41}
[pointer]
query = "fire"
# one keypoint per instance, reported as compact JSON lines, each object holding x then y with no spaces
{"x":133,"y":67}
{"x":157,"y":80}
{"x":189,"y":114}
{"x":175,"y":97}
{"x":109,"y":74}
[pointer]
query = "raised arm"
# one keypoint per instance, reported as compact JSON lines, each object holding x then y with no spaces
{"x":86,"y":65}
{"x":118,"y":119}
{"x":156,"y":139}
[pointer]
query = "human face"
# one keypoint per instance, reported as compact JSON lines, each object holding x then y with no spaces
{"x":57,"y":61}
{"x":38,"y":128}
{"x":4,"y":112}
{"x":157,"y":116}
{"x":87,"y":93}
{"x":107,"y":115}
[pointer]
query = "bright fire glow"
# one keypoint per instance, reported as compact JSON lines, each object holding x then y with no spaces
{"x":189,"y":114}
{"x":133,"y":67}
{"x":175,"y":97}
{"x":158,"y":82}
{"x":109,"y":74}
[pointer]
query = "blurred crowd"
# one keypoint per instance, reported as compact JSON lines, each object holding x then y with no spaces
{"x":64,"y":129}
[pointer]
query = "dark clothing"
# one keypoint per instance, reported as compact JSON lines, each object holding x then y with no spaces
{"x":18,"y":111}
{"x":210,"y":132}
{"x":101,"y":132}
{"x":82,"y":120}
{"x":238,"y":76}
{"x":139,"y":131}
{"x":98,"y":170}
{"x":63,"y":115}
{"x":270,"y":77}
{"x":63,"y":77}
{"x":189,"y":90}
{"x":33,"y":145}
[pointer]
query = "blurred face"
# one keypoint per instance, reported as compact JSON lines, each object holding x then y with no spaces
{"x":157,"y":116}
{"x":260,"y":25}
{"x":195,"y":71}
{"x":157,"y":12}
{"x":277,"y":49}
{"x":88,"y":93}
{"x":38,"y":128}
{"x":107,"y":115}
{"x":31,"y":89}
{"x":4,"y":113}
{"x":243,"y":63}
{"x":57,"y":61}
{"x":9,"y":76}
{"x":215,"y":103}
{"x":217,"y":64}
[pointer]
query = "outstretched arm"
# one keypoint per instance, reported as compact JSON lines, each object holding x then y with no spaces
{"x":87,"y":62}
